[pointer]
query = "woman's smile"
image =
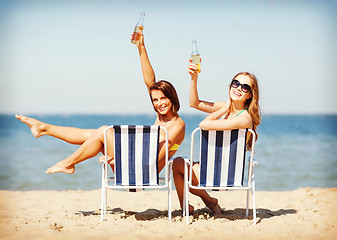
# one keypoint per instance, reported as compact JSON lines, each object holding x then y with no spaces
{"x":162,"y":108}
{"x":160,"y":102}
{"x":236,"y":92}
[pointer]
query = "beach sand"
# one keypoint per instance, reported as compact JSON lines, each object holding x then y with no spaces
{"x":306,"y":213}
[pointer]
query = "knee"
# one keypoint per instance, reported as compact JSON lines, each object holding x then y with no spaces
{"x":101,"y":130}
{"x":178,"y":164}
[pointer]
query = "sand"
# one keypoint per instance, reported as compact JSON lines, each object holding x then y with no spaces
{"x":306,"y":213}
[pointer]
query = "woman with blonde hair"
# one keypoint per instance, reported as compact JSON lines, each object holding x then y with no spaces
{"x":241,"y":110}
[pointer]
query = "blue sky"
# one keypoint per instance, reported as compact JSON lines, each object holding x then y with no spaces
{"x":76,"y":57}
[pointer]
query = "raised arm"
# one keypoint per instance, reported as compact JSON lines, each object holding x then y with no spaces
{"x":195,"y":102}
{"x":148,"y":73}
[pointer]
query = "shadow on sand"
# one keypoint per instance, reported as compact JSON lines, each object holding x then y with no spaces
{"x":203,"y":213}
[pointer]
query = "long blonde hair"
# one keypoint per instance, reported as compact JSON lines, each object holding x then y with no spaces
{"x":252,"y":105}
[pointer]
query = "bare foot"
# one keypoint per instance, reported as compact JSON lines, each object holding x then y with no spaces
{"x":190,"y":209}
{"x":214,"y":206}
{"x":60,"y":167}
{"x":35,"y":126}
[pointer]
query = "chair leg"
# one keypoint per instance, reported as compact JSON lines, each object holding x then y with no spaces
{"x":170,"y":195}
{"x":254,"y":204}
{"x":184,"y":197}
{"x":186,"y":190}
{"x":103,"y":195}
{"x":102,"y":206}
{"x":247,"y":203}
{"x":105,"y":189}
{"x":184,"y":193}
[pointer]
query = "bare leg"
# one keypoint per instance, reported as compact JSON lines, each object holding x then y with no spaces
{"x":67,"y":134}
{"x":90,"y":148}
{"x":178,"y":175}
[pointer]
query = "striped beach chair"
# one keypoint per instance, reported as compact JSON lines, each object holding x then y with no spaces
{"x":136,"y":150}
{"x":222,"y":164}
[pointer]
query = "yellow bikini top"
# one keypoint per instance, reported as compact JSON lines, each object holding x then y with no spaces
{"x":174,"y":147}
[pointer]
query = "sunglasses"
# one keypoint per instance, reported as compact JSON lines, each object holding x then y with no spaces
{"x":244,"y":87}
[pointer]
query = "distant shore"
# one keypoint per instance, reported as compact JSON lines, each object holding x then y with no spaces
{"x":306,"y":213}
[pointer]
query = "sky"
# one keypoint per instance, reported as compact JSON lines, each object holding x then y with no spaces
{"x":75,"y":57}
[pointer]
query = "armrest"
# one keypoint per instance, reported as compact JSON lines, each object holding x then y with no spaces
{"x":186,"y":160}
{"x":254,"y":162}
{"x":101,"y":160}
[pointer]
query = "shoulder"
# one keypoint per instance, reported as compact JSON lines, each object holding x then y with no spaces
{"x":179,"y":123}
{"x":177,"y":128}
{"x":245,"y":119}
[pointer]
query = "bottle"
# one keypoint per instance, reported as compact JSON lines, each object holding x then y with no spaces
{"x":138,"y":29}
{"x":195,"y":55}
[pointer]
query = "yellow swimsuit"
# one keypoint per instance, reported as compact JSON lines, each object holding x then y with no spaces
{"x":174,"y":147}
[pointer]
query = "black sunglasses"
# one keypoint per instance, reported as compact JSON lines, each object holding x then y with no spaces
{"x":244,"y":87}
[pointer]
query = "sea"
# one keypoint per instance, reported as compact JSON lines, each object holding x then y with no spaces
{"x":292,"y":151}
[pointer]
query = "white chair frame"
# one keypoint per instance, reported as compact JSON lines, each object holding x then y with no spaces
{"x":250,"y":184}
{"x":105,"y":177}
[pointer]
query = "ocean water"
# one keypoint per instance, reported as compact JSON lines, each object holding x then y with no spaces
{"x":292,"y":151}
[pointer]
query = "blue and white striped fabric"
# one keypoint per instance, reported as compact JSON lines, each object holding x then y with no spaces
{"x":222,"y":158}
{"x":136,"y":155}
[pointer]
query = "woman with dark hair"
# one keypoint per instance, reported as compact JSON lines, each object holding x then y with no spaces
{"x":164,"y":100}
{"x":241,"y":110}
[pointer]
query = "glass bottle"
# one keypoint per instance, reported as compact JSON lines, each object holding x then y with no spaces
{"x":138,"y":29}
{"x":195,"y":55}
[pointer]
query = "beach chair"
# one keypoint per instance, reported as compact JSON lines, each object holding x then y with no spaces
{"x":136,"y":150}
{"x":222,"y":164}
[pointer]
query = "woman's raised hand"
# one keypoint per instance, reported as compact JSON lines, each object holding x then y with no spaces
{"x":141,"y":39}
{"x":193,"y":69}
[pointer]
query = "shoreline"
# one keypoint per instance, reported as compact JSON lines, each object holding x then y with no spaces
{"x":304,"y":213}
